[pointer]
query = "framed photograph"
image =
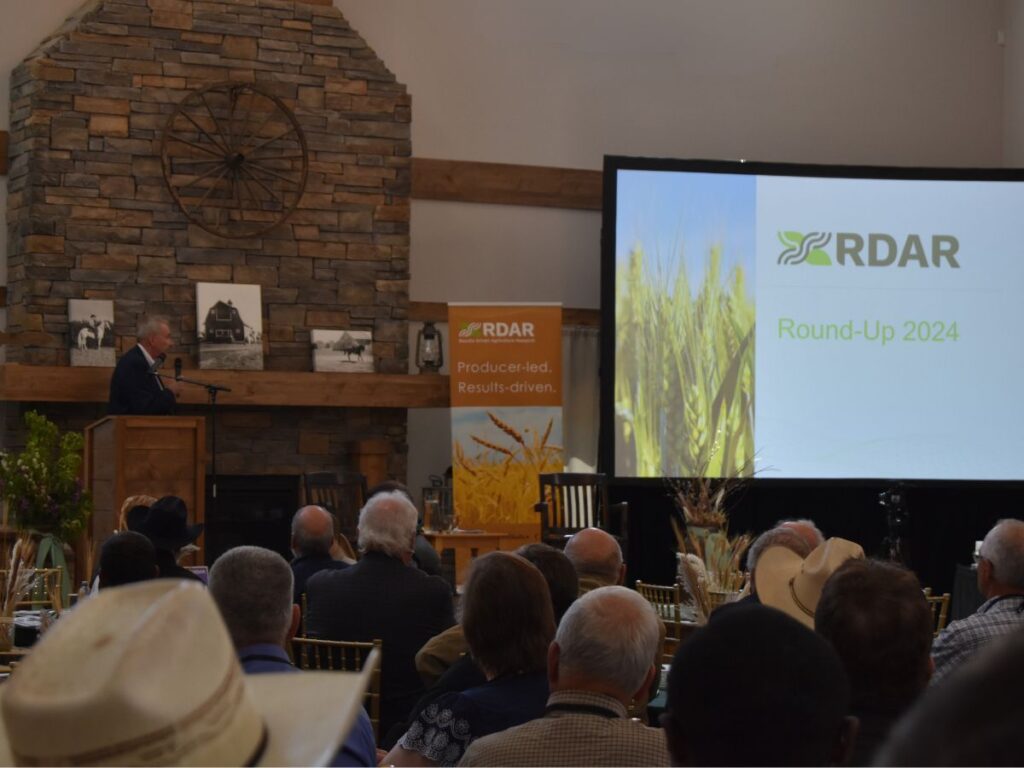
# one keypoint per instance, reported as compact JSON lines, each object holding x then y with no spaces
{"x":350,"y":351}
{"x":91,"y":332}
{"x":229,"y":324}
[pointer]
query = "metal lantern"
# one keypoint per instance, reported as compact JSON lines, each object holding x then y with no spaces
{"x":429,"y":349}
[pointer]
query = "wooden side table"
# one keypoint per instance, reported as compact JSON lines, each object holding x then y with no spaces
{"x":467,"y":545}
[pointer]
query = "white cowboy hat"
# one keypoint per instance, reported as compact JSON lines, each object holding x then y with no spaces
{"x":784,"y":580}
{"x":146,"y":675}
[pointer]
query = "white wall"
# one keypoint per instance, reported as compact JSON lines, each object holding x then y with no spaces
{"x":564,"y":82}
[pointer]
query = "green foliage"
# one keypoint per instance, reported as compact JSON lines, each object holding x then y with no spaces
{"x":684,"y":394}
{"x":41,"y":484}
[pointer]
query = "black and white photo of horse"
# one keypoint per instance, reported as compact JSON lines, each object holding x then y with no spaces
{"x":91,"y":332}
{"x":342,"y":351}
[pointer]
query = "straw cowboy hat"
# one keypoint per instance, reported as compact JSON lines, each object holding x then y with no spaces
{"x":786,"y":581}
{"x":146,"y":675}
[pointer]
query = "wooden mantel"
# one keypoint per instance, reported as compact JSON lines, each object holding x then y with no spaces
{"x":43,"y":383}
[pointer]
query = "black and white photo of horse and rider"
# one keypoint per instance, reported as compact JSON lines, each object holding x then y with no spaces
{"x":350,"y":351}
{"x":91,"y":332}
{"x":229,"y":324}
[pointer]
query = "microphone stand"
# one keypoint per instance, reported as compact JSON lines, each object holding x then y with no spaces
{"x":211,"y":391}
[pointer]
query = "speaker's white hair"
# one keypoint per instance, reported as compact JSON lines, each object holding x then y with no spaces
{"x":151,"y":324}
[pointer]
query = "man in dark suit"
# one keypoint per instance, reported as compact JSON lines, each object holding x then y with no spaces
{"x":383,"y":596}
{"x":133,"y":387}
{"x":312,"y":537}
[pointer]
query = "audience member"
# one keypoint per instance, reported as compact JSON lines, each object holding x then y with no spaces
{"x":1001,"y":582}
{"x":807,"y":530}
{"x":125,"y":558}
{"x":773,"y":537}
{"x":423,"y":554}
{"x":509,"y":623}
{"x":780,"y":536}
{"x":252,"y":587}
{"x":445,"y":652}
{"x":312,"y":539}
{"x":755,"y":687}
{"x":598,"y":663}
{"x":166,"y":525}
{"x":973,"y":718}
{"x":876,"y":617}
{"x":138,"y":500}
{"x":793,"y":584}
{"x":382,"y":597}
{"x":146,"y":675}
{"x":597,"y":558}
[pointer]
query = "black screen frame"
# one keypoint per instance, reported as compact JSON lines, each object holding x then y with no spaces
{"x":615,"y":163}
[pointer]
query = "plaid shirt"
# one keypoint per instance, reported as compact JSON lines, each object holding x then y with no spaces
{"x":580,"y":728}
{"x":961,"y":639}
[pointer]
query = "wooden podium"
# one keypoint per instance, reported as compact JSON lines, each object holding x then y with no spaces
{"x":156,"y":455}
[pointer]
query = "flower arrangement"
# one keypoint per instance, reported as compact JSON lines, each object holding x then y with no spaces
{"x":41,"y":484}
{"x":710,"y":561}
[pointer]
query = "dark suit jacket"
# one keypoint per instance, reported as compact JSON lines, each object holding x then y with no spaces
{"x":380,"y":597}
{"x":134,"y":390}
{"x":305,"y":566}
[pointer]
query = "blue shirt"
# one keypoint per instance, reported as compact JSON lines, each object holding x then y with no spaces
{"x":359,"y":749}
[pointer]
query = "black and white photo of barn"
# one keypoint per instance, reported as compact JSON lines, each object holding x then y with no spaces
{"x":229,"y":324}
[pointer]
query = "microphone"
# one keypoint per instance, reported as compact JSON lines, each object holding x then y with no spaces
{"x":157,"y":363}
{"x":177,"y":369}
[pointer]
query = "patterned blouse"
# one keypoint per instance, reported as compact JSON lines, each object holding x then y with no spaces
{"x":446,"y":727}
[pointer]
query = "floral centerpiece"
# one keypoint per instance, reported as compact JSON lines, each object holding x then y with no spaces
{"x":710,"y":561}
{"x":43,"y":491}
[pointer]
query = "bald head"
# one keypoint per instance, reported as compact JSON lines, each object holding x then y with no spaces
{"x":312,"y":531}
{"x":1001,"y":570}
{"x":596,"y":555}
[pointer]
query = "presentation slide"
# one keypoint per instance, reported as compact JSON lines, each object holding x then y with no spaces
{"x":796,"y":326}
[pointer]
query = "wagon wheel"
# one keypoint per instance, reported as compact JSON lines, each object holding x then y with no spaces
{"x":235,"y":159}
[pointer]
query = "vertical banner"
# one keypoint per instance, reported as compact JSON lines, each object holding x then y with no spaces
{"x":506,"y":395}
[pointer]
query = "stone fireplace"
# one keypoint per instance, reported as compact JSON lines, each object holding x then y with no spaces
{"x":90,"y":215}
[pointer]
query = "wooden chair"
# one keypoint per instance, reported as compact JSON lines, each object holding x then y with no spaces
{"x":570,"y":502}
{"x":343,"y":495}
{"x":343,"y":656}
{"x":667,"y":601}
{"x":939,"y":605}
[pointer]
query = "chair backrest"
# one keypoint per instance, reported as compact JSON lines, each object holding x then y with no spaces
{"x":939,"y":605}
{"x":340,"y":493}
{"x":343,"y":656}
{"x":666,"y":599}
{"x":570,"y":502}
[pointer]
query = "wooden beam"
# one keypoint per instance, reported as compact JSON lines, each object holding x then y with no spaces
{"x":46,"y":383}
{"x":493,"y":183}
{"x":437,"y":312}
{"x":498,"y":183}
